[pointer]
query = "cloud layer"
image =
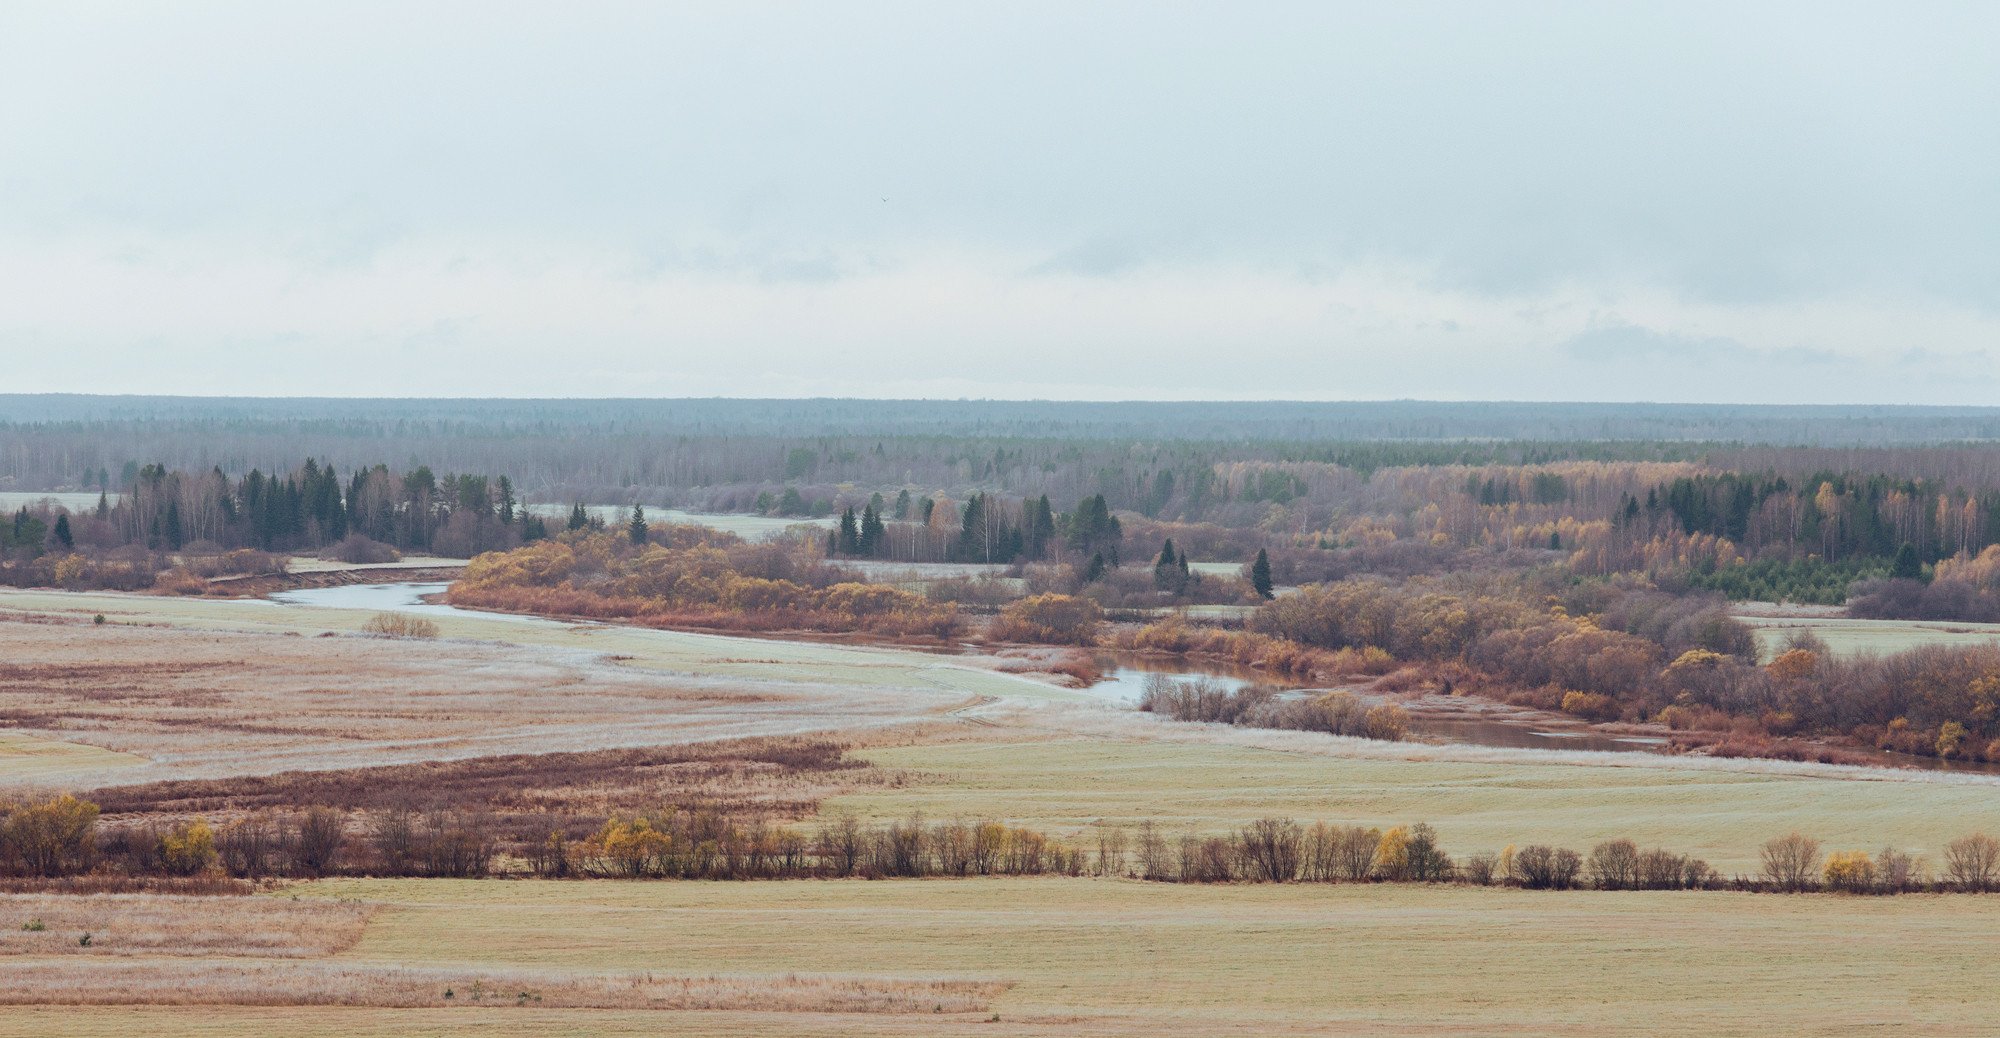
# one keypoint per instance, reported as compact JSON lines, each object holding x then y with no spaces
{"x":1452,"y":201}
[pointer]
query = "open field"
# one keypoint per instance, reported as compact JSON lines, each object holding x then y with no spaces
{"x":989,"y":744}
{"x":1852,"y":637}
{"x":166,"y":679}
{"x":1102,"y":957}
{"x":180,"y":696}
{"x":27,"y":758}
{"x":1722,"y":813}
{"x":75,"y":501}
{"x":748,"y":527}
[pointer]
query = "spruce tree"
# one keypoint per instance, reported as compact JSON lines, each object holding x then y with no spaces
{"x":849,"y":540}
{"x":873,"y":533}
{"x":578,"y":518}
{"x":1907,"y":566}
{"x":62,"y":533}
{"x":636,"y":529}
{"x":1260,"y":574}
{"x":1166,"y":568}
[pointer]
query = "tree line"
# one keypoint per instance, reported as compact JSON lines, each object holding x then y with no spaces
{"x":63,"y":836}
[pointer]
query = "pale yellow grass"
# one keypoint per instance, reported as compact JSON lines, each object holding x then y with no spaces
{"x":32,"y":759}
{"x":1723,"y":814}
{"x":1102,"y":956}
{"x":154,"y":924}
{"x":241,"y":983}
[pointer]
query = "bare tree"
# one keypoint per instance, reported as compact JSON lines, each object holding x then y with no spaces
{"x":1791,"y":862}
{"x":1973,"y":862}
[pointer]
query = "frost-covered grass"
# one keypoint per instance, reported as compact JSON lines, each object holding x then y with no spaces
{"x":1121,"y":957}
{"x":1853,"y":637}
{"x":1121,"y":770}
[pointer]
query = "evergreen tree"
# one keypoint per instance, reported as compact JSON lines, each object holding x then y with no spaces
{"x":1095,"y":570}
{"x":873,"y":533}
{"x":1555,"y":541}
{"x":1166,"y":569}
{"x":62,"y":533}
{"x":636,"y":529}
{"x":1260,"y":574}
{"x":104,"y":505}
{"x":1907,"y":566}
{"x":578,"y":518}
{"x":506,"y":501}
{"x":848,"y":542}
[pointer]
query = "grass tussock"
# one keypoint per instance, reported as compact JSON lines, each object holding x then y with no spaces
{"x":328,"y":984}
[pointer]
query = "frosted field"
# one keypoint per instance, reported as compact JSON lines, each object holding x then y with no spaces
{"x":1854,"y":637}
{"x":748,"y":527}
{"x":14,"y":501}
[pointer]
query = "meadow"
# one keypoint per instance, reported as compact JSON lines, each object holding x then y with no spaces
{"x":1110,"y":957}
{"x":510,"y":703}
{"x":1853,"y":636}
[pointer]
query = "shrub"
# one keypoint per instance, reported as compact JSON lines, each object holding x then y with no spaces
{"x":1614,"y":865}
{"x":400,"y":625}
{"x":1851,"y":872}
{"x":1540,"y":867}
{"x":1388,"y":722}
{"x":187,"y":849}
{"x":1050,"y":619}
{"x":1593,"y":705}
{"x":358,"y":550}
{"x":56,"y":837}
{"x":318,"y":838}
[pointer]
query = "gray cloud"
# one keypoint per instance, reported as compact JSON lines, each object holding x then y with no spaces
{"x":1751,"y":179}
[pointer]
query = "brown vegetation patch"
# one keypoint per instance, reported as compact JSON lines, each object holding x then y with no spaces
{"x":153,"y":924}
{"x":748,"y":778}
{"x":317,"y":983}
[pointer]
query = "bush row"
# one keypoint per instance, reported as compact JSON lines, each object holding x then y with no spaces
{"x":59,"y":837}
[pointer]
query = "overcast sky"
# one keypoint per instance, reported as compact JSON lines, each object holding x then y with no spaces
{"x":1590,"y":201}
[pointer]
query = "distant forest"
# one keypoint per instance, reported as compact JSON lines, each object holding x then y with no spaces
{"x":1765,"y":501}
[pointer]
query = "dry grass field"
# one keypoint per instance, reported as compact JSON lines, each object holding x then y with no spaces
{"x":1102,"y":957}
{"x":207,"y":688}
{"x":193,"y":706}
{"x":1722,"y":813}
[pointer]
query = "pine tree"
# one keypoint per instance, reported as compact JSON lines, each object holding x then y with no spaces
{"x":103,"y":505}
{"x":1260,"y":574}
{"x":578,"y":518}
{"x":62,"y":533}
{"x":1095,"y":571}
{"x":636,"y":529}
